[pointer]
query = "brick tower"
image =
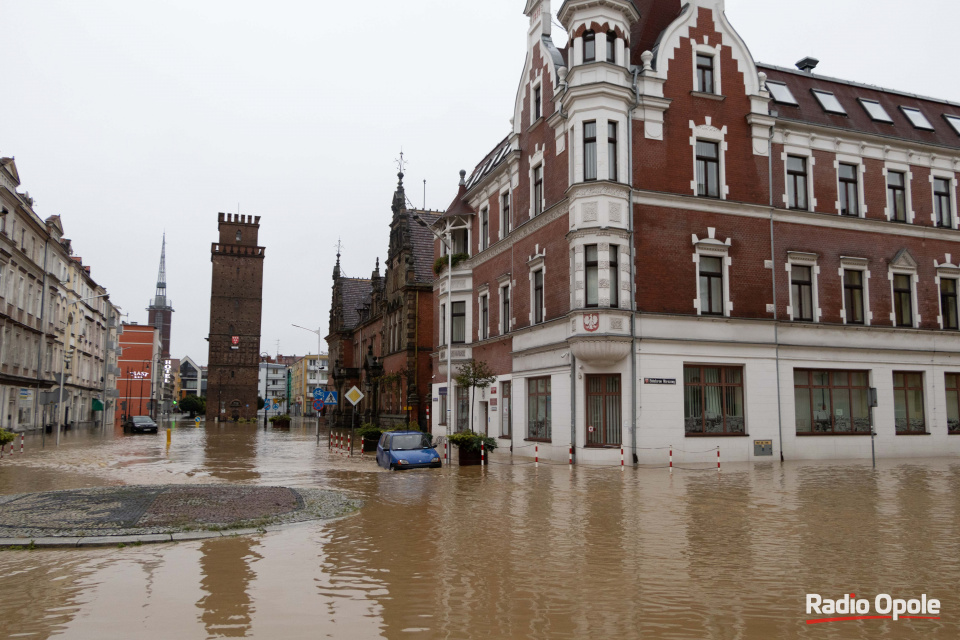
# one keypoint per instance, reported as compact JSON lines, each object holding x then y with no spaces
{"x":236,"y":301}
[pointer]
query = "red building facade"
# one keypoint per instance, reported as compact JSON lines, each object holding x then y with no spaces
{"x":141,"y":372}
{"x":381,"y":329}
{"x":675,"y":243}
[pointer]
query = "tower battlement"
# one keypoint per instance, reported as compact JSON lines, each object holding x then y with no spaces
{"x":236,"y":218}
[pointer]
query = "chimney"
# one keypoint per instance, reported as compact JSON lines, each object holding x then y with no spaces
{"x":808,"y":64}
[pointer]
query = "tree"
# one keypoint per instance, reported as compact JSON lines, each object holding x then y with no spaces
{"x":193,"y":405}
{"x":260,"y":403}
{"x":474,"y":374}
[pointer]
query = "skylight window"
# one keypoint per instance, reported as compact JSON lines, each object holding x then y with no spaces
{"x":916,"y":118}
{"x":954,"y":122}
{"x":876,"y":111}
{"x":781,"y":93}
{"x":829,"y":102}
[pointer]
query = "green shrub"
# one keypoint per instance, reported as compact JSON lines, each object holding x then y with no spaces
{"x":469,"y":441}
{"x":441,"y":263}
{"x":370,"y":432}
{"x":283,"y":418}
{"x":6,"y":437}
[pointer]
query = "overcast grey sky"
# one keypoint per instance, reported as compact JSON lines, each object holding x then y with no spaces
{"x":130,"y":118}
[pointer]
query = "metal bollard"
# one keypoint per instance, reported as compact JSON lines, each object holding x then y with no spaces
{"x":536,"y":455}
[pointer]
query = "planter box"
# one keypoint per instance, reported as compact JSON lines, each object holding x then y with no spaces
{"x":370,"y":445}
{"x":468,"y":458}
{"x":280,"y":424}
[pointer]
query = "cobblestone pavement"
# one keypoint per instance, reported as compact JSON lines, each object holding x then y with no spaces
{"x":165,"y":509}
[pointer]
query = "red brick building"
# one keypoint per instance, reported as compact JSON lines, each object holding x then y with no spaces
{"x":381,"y":328}
{"x":236,"y":305}
{"x":676,"y":245}
{"x":141,"y":372}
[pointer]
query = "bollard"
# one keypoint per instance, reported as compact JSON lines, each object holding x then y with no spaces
{"x":483,"y":453}
{"x":21,"y":444}
{"x":361,"y":446}
{"x":536,"y":455}
{"x":621,"y":457}
{"x":718,"y":458}
{"x":571,"y":455}
{"x":330,"y":440}
{"x":349,"y":447}
{"x":671,"y":458}
{"x":446,"y":451}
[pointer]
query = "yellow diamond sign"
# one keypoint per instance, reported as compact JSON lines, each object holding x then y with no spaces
{"x":354,"y":396}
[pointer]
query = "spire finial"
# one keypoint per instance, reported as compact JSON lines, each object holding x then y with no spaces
{"x":401,"y":165}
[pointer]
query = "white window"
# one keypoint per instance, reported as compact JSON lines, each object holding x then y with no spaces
{"x":954,"y":122}
{"x":829,"y":102}
{"x":898,"y":178}
{"x":706,"y":68}
{"x":916,"y":118}
{"x":850,"y":187}
{"x":781,"y":93}
{"x":798,"y":193}
{"x":948,"y":282}
{"x":712,"y":261}
{"x":803,"y":272}
{"x":709,"y":165}
{"x":944,"y":186}
{"x":854,"y":278}
{"x":876,"y":111}
{"x":903,"y":288}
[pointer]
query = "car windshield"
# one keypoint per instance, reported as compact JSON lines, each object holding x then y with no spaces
{"x":142,"y":419}
{"x":410,"y":441}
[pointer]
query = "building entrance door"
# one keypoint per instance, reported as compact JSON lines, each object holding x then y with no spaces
{"x":485,"y":416}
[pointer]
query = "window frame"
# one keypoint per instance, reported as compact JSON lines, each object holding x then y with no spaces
{"x":702,"y":169}
{"x":724,"y":385}
{"x":833,"y":387}
{"x":788,"y":99}
{"x":591,"y":267}
{"x":898,"y":298}
{"x":953,"y":121}
{"x":484,"y":228}
{"x":953,"y":424}
{"x":505,"y":310}
{"x":797,"y":298}
{"x":539,"y":313}
{"x":614,"y":276}
{"x":506,"y":408}
{"x":611,"y":46}
{"x":506,"y":224}
{"x":824,"y":98}
{"x":608,"y":400}
{"x":613,"y":168}
{"x":863,"y":295}
{"x":883,"y":116}
{"x":844,"y":185}
{"x":943,"y":202}
{"x":589,"y":46}
{"x":536,"y":433}
{"x":537,"y":102}
{"x":454,"y":315}
{"x":793,"y":183}
{"x":443,"y":324}
{"x":917,"y":118}
{"x":462,"y":401}
{"x":705,"y":78}
{"x":538,"y":190}
{"x":590,"y":159}
{"x":905,"y":388}
{"x":892,"y":191}
{"x":708,"y":295}
{"x":946,"y":305}
{"x":483,"y":304}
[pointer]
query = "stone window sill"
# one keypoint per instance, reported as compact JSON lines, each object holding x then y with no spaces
{"x":708,"y":96}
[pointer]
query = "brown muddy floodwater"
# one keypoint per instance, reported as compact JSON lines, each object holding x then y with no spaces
{"x":510,"y":551}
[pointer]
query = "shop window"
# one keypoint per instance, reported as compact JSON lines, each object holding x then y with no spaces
{"x":538,"y":409}
{"x":832,"y":402}
{"x":953,"y":403}
{"x":713,"y":400}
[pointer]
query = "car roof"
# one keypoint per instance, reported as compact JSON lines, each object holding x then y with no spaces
{"x":406,"y":433}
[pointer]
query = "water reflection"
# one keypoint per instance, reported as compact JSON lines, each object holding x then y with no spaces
{"x":226,"y":572}
{"x":230,"y":452}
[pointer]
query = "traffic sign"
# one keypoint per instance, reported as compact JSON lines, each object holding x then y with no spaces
{"x":317,"y":405}
{"x":197,"y":421}
{"x":331,"y":398}
{"x":276,"y":406}
{"x":318,"y":394}
{"x":354,"y":396}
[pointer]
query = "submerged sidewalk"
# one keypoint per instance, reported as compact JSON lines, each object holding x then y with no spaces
{"x":160,"y":513}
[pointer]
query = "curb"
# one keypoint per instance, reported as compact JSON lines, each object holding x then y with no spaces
{"x":112,"y":541}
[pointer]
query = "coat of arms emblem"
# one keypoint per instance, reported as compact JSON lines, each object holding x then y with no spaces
{"x":591,"y":321}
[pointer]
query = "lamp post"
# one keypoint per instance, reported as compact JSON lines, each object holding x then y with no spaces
{"x":447,"y":242}
{"x":319,"y":332}
{"x":265,"y":359}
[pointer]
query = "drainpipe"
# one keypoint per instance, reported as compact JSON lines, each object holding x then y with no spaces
{"x":633,"y":264}
{"x":773,"y":269}
{"x":573,"y":358}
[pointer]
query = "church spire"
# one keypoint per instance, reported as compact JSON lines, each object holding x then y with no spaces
{"x":161,"y":295}
{"x":399,"y":196}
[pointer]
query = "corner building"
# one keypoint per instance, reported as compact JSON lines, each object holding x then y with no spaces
{"x":236,"y":306}
{"x":678,"y":246}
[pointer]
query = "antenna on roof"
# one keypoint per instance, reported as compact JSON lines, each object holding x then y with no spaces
{"x":424,"y":195}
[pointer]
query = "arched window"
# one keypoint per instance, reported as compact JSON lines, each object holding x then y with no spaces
{"x":589,"y":46}
{"x":239,"y":235}
{"x":612,"y":47}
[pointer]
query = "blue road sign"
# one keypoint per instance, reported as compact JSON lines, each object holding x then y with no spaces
{"x":331,"y":398}
{"x":317,"y":405}
{"x":318,"y":394}
{"x":276,"y":406}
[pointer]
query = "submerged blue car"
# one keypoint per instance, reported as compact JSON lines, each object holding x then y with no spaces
{"x":407,"y":450}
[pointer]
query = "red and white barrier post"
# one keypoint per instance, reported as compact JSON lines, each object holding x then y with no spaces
{"x":536,"y":455}
{"x":483,"y":453}
{"x":718,"y":458}
{"x":621,"y":458}
{"x":571,"y":456}
{"x":446,"y":452}
{"x":671,"y":459}
{"x":21,"y":444}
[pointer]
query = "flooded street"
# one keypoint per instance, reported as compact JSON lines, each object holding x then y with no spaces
{"x":509,"y":551}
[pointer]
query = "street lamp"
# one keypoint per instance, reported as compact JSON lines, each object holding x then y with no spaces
{"x":319,"y":333}
{"x":68,"y":353}
{"x":447,"y":242}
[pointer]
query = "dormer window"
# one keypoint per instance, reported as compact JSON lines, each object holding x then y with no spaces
{"x":612,"y":47}
{"x":829,"y":102}
{"x":954,"y":122}
{"x":916,"y":118}
{"x":239,"y":235}
{"x":704,"y":73}
{"x":781,"y":93}
{"x":589,"y":46}
{"x":876,"y":111}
